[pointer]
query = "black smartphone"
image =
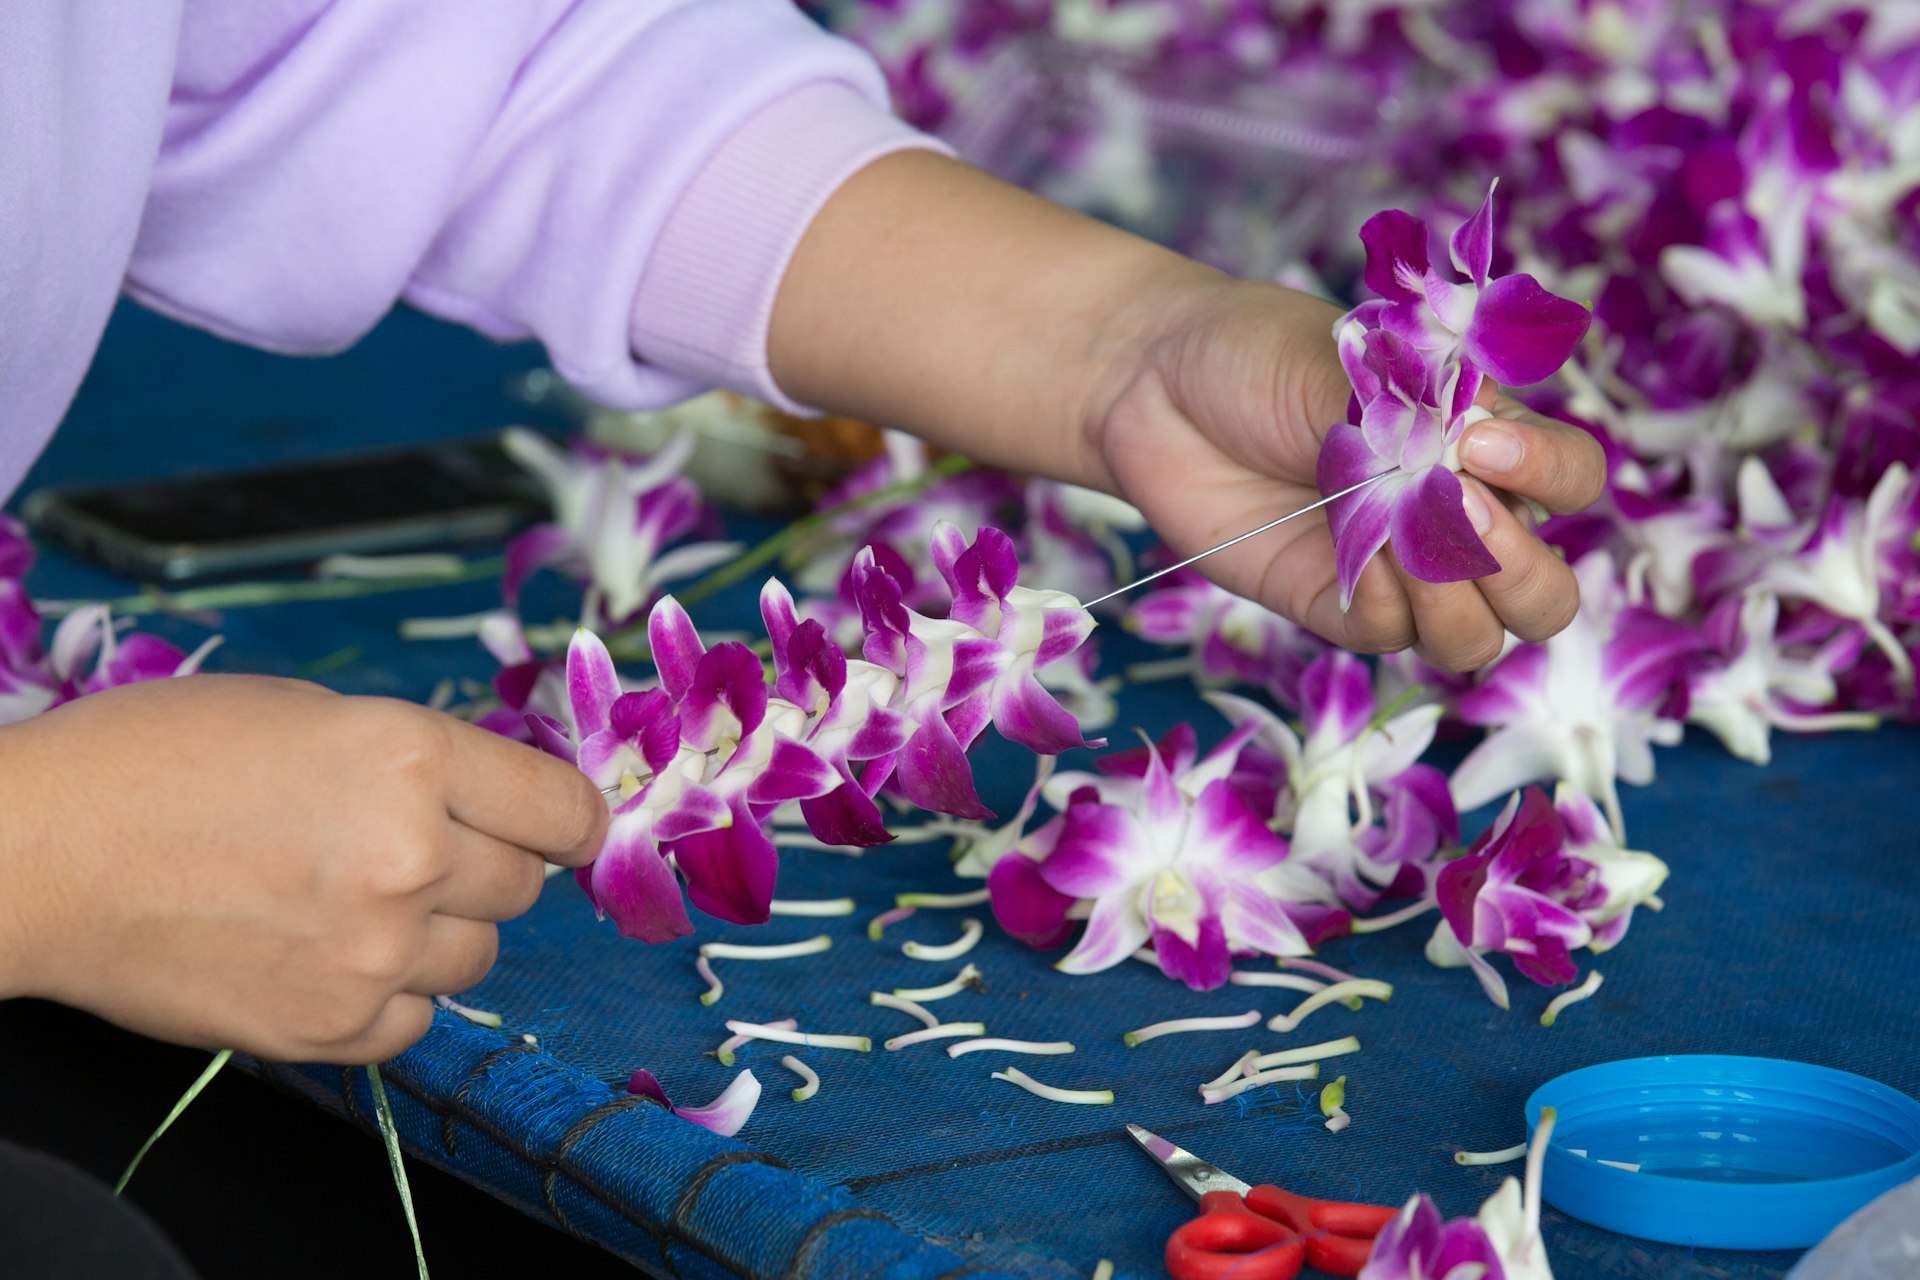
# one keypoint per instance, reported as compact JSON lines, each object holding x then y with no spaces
{"x":197,"y":527}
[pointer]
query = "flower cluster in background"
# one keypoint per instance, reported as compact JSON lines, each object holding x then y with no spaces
{"x":86,"y":653}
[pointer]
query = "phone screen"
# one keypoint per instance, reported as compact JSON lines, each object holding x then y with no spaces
{"x":366,"y":490}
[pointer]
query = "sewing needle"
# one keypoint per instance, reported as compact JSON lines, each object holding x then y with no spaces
{"x":1235,"y":541}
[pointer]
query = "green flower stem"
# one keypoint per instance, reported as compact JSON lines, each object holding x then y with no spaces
{"x":246,"y":595}
{"x":391,"y":1136}
{"x":186,"y":1100}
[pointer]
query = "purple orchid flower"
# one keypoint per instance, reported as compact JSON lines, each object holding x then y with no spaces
{"x":1753,"y":685}
{"x":1416,"y":359}
{"x":1518,"y":891}
{"x":975,"y":667}
{"x":1349,"y":767}
{"x":613,"y":519}
{"x":1420,"y":1245}
{"x":725,"y":1115}
{"x":1173,"y":865}
{"x":1584,"y":707}
{"x":1627,"y":878}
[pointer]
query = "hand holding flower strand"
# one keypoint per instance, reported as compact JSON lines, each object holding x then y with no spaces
{"x":1220,"y":429}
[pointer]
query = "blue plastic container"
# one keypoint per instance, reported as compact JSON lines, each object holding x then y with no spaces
{"x":1732,"y":1152}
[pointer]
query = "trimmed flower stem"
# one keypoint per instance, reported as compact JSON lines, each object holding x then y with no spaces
{"x":1314,"y":966}
{"x":780,"y":951}
{"x":967,"y":977}
{"x":971,"y":932}
{"x":782,"y":1035}
{"x":900,"y":1004}
{"x":1374,"y":924}
{"x":811,"y":907}
{"x":1279,"y":1075}
{"x":809,"y":1079}
{"x":878,"y":925}
{"x":1561,"y":1002}
{"x":479,"y":1017}
{"x":715,"y":987}
{"x":1338,"y":992}
{"x":1178,"y":1026}
{"x":1506,"y":1155}
{"x":1010,"y":1046}
{"x":1232,"y":1073}
{"x":976,"y":898}
{"x":940,"y":1031}
{"x":1305,"y":1053}
{"x":727,"y":1047}
{"x":1093,"y":1097}
{"x":1292,"y":982}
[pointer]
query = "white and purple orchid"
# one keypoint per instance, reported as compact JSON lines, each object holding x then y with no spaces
{"x":1586,"y":706}
{"x":1158,"y":864}
{"x":1416,"y":357}
{"x":614,"y":518}
{"x":1364,"y":817}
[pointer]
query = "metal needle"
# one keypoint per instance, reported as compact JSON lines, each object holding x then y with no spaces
{"x":1234,"y":541}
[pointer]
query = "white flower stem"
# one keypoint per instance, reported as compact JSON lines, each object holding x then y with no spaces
{"x":811,"y":907}
{"x":970,"y":934}
{"x":1096,"y":1097}
{"x":1506,"y":1155}
{"x":941,"y":901}
{"x":1566,"y":998}
{"x":1010,"y":1046}
{"x":1305,"y":1053}
{"x":782,"y":1035}
{"x":939,"y":1031}
{"x":1339,"y":991}
{"x":878,"y":925}
{"x":1314,"y":966}
{"x":1290,"y":981}
{"x":779,"y":951}
{"x":900,"y":1004}
{"x":1179,"y":1026}
{"x":480,"y":1017}
{"x":726,"y":1050}
{"x":1232,"y":1073}
{"x":809,"y":1079}
{"x":967,"y":977}
{"x":1277,"y":1076}
{"x":715,"y":987}
{"x":1338,"y":1120}
{"x":1374,"y":924}
{"x":1536,"y":1159}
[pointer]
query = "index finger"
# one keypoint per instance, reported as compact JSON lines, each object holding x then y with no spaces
{"x":524,"y":796}
{"x":1559,"y":466}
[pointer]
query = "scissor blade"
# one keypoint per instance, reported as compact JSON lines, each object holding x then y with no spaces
{"x":1192,"y":1174}
{"x":1238,"y":539}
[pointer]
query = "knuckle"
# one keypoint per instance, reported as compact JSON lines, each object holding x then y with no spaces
{"x":409,"y":740}
{"x":1542,"y":600}
{"x":531,"y":878}
{"x":407,"y":868}
{"x":339,"y":1021}
{"x":484,"y":950}
{"x":381,"y":957}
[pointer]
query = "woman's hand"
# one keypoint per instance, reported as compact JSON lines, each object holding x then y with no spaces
{"x":262,"y":865}
{"x":1215,"y":429}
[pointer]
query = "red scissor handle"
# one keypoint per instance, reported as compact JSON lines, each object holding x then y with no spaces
{"x":1338,"y":1235}
{"x":1230,"y":1240}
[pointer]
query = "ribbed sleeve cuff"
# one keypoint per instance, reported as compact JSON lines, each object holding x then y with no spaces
{"x":705,"y":300}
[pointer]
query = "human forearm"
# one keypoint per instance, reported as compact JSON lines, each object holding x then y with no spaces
{"x":929,"y":296}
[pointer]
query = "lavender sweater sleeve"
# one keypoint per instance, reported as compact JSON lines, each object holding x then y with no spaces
{"x":623,"y":180}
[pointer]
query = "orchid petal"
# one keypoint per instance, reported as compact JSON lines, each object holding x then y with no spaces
{"x":1472,"y":245}
{"x":730,"y":870}
{"x":1115,"y":930}
{"x":933,"y":772}
{"x":631,"y":883}
{"x":1432,"y":536}
{"x":1396,"y":244}
{"x":726,"y":1114}
{"x":538,"y":547}
{"x":676,"y":646}
{"x":1520,"y":333}
{"x":592,"y":684}
{"x":1026,"y":905}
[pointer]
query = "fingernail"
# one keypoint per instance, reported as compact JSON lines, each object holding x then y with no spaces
{"x":1491,"y":448}
{"x":1478,"y":509}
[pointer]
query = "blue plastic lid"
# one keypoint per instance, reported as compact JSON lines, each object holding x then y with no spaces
{"x":1723,"y":1152}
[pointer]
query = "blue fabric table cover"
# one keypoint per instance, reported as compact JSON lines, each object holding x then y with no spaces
{"x":1791,"y":929}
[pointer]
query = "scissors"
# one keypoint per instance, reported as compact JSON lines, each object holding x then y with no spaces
{"x":1259,"y":1233}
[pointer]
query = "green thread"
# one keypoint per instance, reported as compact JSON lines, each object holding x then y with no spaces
{"x":186,"y":1100}
{"x":391,"y":1136}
